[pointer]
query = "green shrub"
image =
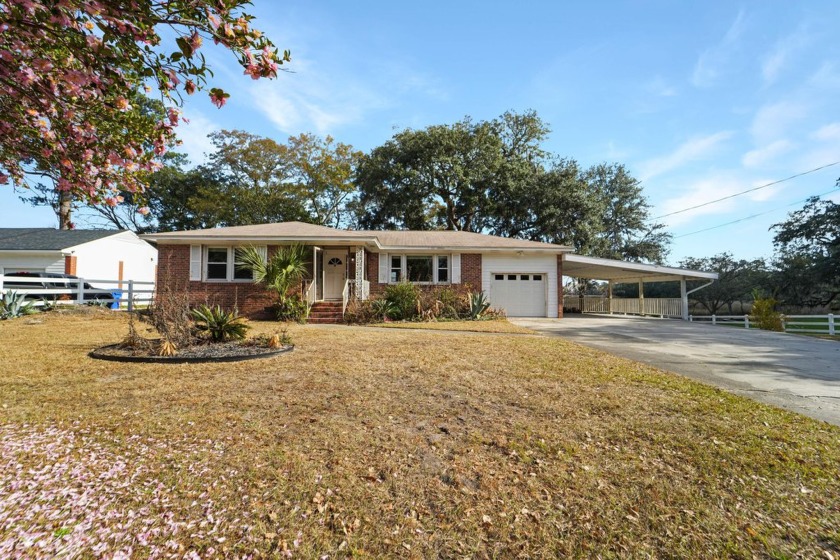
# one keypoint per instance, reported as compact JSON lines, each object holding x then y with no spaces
{"x":291,"y":308}
{"x":765,"y":316}
{"x":478,"y":305}
{"x":404,"y":297}
{"x":14,"y":305}
{"x":219,"y":324}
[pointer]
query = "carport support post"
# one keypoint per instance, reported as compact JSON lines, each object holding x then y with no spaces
{"x":641,"y":296}
{"x":609,"y":296}
{"x":684,"y":298}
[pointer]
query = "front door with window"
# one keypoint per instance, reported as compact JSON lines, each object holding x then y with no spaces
{"x":335,"y":265}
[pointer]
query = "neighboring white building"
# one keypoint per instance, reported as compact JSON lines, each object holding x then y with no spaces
{"x":89,"y":254}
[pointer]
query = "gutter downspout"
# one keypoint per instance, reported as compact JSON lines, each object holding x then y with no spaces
{"x":684,"y":294}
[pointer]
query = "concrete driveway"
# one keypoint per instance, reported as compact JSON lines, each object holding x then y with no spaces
{"x":795,"y":372}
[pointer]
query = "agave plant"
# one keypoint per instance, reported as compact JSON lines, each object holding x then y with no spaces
{"x":478,"y":305}
{"x":221,"y":325}
{"x":15,"y":304}
{"x":383,"y":308}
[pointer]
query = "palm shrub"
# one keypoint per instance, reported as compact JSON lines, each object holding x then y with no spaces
{"x":478,"y":305}
{"x":404,"y":298}
{"x":280,"y":273}
{"x":219,"y":324}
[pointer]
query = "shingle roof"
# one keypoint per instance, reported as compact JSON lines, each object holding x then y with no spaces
{"x":47,"y":239}
{"x":465,"y":239}
{"x":291,"y":231}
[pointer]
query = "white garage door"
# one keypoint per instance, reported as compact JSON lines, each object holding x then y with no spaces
{"x":520,"y":295}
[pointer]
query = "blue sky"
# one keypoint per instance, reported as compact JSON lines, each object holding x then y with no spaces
{"x":700,"y":100}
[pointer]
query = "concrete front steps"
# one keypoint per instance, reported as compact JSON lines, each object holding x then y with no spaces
{"x":325,"y":313}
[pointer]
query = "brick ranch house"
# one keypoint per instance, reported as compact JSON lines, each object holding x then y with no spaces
{"x":522,"y":277}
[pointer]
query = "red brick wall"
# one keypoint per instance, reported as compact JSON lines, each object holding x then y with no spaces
{"x":70,"y":264}
{"x":559,"y":286}
{"x":174,"y":271}
{"x":372,"y":272}
{"x":471,"y":270}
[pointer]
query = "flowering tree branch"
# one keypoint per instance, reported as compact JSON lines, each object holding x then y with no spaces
{"x":72,"y":73}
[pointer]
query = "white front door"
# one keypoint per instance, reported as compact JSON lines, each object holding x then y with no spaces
{"x":335,"y":265}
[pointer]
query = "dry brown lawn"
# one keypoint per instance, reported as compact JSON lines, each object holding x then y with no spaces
{"x":374,"y":443}
{"x":489,"y":326}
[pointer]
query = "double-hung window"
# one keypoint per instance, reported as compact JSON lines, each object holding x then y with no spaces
{"x":221,"y":265}
{"x":217,"y":263}
{"x":396,"y":272}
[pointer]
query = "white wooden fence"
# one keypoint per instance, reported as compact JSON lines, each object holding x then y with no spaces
{"x":658,"y":307}
{"x":811,"y":324}
{"x":117,"y":294}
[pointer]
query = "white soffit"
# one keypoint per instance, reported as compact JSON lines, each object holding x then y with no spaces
{"x":607,"y":269}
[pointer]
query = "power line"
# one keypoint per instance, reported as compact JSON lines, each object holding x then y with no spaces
{"x":756,"y":215}
{"x":747,"y":191}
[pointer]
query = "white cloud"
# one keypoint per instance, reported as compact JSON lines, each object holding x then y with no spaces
{"x":194,"y":136}
{"x":316,"y":99}
{"x":711,"y":188}
{"x":307,"y":101}
{"x":780,"y":56}
{"x":660,"y":87}
{"x":772,"y":120}
{"x":827,"y":133}
{"x":766,"y":154}
{"x":692,"y":150}
{"x":826,"y":77}
{"x":711,"y":63}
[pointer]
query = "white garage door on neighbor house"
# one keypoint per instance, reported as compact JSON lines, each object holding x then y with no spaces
{"x":520,"y":294}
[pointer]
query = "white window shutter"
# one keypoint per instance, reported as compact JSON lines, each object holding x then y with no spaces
{"x":384,"y":268}
{"x":195,"y":263}
{"x":456,"y":268}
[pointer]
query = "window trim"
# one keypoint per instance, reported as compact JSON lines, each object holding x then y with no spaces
{"x":230,"y":266}
{"x":404,"y":268}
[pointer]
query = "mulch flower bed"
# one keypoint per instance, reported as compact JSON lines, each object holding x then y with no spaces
{"x":220,"y":352}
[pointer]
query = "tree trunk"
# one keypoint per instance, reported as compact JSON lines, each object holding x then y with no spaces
{"x":65,"y":208}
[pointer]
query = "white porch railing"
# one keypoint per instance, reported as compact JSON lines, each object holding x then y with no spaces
{"x":660,"y":307}
{"x":345,"y":296}
{"x":311,"y":293}
{"x":117,"y":294}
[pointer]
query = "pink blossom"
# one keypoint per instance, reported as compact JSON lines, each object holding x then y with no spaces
{"x":218,"y":99}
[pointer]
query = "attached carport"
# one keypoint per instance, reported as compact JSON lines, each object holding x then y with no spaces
{"x":622,"y":272}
